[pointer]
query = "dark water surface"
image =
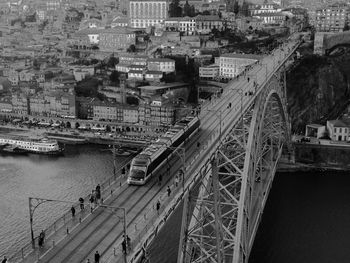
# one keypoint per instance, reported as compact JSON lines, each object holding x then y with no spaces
{"x":65,"y":177}
{"x":306,"y":219}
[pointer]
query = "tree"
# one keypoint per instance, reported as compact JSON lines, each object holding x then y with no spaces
{"x":112,"y":61}
{"x":187,"y":9}
{"x":236,"y":8}
{"x":131,"y":49}
{"x":114,"y":77}
{"x":174,"y":8}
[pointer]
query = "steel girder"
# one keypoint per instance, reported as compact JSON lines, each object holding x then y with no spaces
{"x":222,"y":213}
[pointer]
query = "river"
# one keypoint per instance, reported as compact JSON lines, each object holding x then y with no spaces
{"x":306,"y":219}
{"x":65,"y":177}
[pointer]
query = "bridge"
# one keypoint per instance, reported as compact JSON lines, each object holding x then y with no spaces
{"x":225,"y":185}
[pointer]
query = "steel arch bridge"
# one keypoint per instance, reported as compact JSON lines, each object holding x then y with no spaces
{"x":222,"y":212}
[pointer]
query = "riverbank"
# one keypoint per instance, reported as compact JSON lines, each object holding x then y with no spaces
{"x":74,"y":137}
{"x":284,"y":167}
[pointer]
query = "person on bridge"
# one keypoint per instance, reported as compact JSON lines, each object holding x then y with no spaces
{"x":158,"y":206}
{"x":4,"y":260}
{"x":97,"y":257}
{"x":72,"y":209}
{"x":168,"y":190}
{"x":81,"y":201}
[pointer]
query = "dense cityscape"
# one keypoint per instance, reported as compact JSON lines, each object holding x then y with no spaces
{"x":143,"y":111}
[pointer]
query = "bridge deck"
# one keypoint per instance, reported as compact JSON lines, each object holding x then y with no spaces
{"x":102,"y":230}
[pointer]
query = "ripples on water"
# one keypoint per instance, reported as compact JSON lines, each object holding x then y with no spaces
{"x":66,"y":178}
{"x":306,"y":219}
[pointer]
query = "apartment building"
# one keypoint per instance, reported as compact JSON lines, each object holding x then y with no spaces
{"x":116,"y":39}
{"x":147,"y":13}
{"x":156,"y":113}
{"x":54,"y":104}
{"x":20,"y":103}
{"x":332,"y":18}
{"x":232,"y":65}
{"x":165,"y":65}
{"x":183,"y":24}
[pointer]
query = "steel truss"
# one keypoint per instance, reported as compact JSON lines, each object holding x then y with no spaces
{"x":222,"y":213}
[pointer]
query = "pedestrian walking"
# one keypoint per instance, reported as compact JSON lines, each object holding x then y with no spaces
{"x":41,"y":238}
{"x":158,"y":206}
{"x":160,"y":179}
{"x":98,"y":193}
{"x":176,"y":180}
{"x":72,"y":209}
{"x":81,"y":201}
{"x":168,"y":190}
{"x":97,"y":257}
{"x":88,"y":261}
{"x":124,"y":247}
{"x":4,"y":260}
{"x":92,"y":200}
{"x":248,"y":79}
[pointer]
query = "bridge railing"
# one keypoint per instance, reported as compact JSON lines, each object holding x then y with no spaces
{"x":62,"y":226}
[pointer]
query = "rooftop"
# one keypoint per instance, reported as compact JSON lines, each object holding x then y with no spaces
{"x":242,"y":56}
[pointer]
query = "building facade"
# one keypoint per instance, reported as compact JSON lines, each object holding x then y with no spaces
{"x":231,"y":65}
{"x":114,"y":39}
{"x":332,"y":18}
{"x":147,"y":13}
{"x":165,"y":65}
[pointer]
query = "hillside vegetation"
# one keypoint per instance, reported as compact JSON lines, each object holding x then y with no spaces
{"x":318,"y":89}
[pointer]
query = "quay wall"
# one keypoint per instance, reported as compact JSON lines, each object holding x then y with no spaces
{"x":323,"y":155}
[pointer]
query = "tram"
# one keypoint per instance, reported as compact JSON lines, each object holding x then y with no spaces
{"x":146,"y":163}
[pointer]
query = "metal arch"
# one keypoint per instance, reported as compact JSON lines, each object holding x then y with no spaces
{"x":267,"y":134}
{"x":236,"y":183}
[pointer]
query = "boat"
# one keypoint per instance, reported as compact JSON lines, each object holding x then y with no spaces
{"x":121,"y":152}
{"x":13,"y":149}
{"x":31,"y":145}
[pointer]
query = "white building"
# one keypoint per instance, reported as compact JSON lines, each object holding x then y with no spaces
{"x":147,"y":13}
{"x":165,"y":65}
{"x":338,"y":130}
{"x":232,"y":65}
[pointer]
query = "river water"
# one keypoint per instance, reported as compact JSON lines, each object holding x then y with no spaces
{"x":306,"y":219}
{"x":65,"y":177}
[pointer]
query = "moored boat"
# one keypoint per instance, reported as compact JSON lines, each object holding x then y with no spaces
{"x":39,"y":146}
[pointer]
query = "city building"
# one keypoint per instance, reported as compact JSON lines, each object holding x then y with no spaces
{"x":165,"y":65}
{"x":104,"y":111}
{"x":255,"y":9}
{"x":183,"y":24}
{"x":156,"y":113}
{"x":131,"y":59}
{"x":116,"y":39}
{"x":332,"y":18}
{"x":271,"y":18}
{"x":54,"y":104}
{"x":147,"y":13}
{"x":210,"y":72}
{"x":338,"y":130}
{"x":20,"y":103}
{"x":232,"y":65}
{"x":206,"y":23}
